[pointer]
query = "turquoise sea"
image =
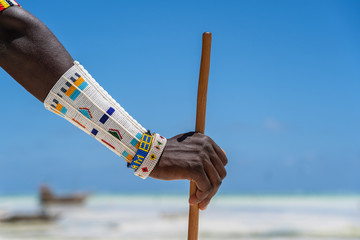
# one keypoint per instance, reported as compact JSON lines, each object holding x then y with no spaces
{"x":165,"y":217}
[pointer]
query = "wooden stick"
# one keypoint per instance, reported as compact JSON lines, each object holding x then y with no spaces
{"x":200,"y":124}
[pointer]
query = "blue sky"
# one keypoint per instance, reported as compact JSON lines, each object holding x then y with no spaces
{"x":283,"y":97}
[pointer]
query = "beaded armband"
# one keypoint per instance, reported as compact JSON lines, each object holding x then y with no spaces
{"x":142,"y":152}
{"x":4,"y":4}
{"x":78,"y":98}
{"x":152,"y":157}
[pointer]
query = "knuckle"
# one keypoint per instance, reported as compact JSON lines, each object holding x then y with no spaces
{"x":198,"y":168}
{"x":207,"y":147}
{"x":202,"y":156}
{"x":208,"y":138}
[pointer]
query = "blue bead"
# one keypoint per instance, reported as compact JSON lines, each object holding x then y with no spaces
{"x":110,"y":111}
{"x":94,"y":131}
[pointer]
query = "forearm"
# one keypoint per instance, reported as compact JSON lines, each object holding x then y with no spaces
{"x":30,"y":52}
{"x":34,"y":57}
{"x":37,"y":60}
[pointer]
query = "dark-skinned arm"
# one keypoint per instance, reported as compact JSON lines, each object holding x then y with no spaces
{"x":30,"y":52}
{"x":35,"y":58}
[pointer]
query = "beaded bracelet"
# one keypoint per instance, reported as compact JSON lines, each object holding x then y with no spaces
{"x":152,"y":157}
{"x":142,"y":152}
{"x":4,"y":4}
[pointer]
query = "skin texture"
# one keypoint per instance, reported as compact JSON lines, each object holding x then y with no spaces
{"x":35,"y":58}
{"x":30,"y":52}
{"x":195,"y":157}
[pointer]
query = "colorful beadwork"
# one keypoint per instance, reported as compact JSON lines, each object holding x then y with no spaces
{"x":115,"y":133}
{"x":78,"y":122}
{"x":105,"y":117}
{"x":108,"y":144}
{"x":134,"y":142}
{"x":152,"y":158}
{"x":86,"y":112}
{"x":127,"y":157}
{"x":94,"y":132}
{"x":144,"y":147}
{"x":60,"y":109}
{"x":73,"y":91}
{"x":4,"y":4}
{"x":78,"y":98}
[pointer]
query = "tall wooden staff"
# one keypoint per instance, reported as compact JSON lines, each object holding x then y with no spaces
{"x":200,"y":124}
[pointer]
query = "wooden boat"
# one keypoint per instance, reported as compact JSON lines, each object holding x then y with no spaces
{"x":36,"y":217}
{"x":48,"y":197}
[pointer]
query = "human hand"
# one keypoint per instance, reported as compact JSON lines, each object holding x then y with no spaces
{"x":195,"y":157}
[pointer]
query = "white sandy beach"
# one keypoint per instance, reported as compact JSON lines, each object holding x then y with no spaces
{"x":160,"y":217}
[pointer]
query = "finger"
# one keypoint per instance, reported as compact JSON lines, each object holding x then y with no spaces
{"x":203,"y":185}
{"x":218,"y":164}
{"x":204,"y":204}
{"x":215,"y":182}
{"x":220,"y":153}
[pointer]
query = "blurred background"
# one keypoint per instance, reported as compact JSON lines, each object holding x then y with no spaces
{"x":282,"y":101}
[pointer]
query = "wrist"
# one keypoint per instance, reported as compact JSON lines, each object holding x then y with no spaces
{"x":153,"y":156}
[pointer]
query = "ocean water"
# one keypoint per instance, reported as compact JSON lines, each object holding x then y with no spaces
{"x":166,"y":217}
